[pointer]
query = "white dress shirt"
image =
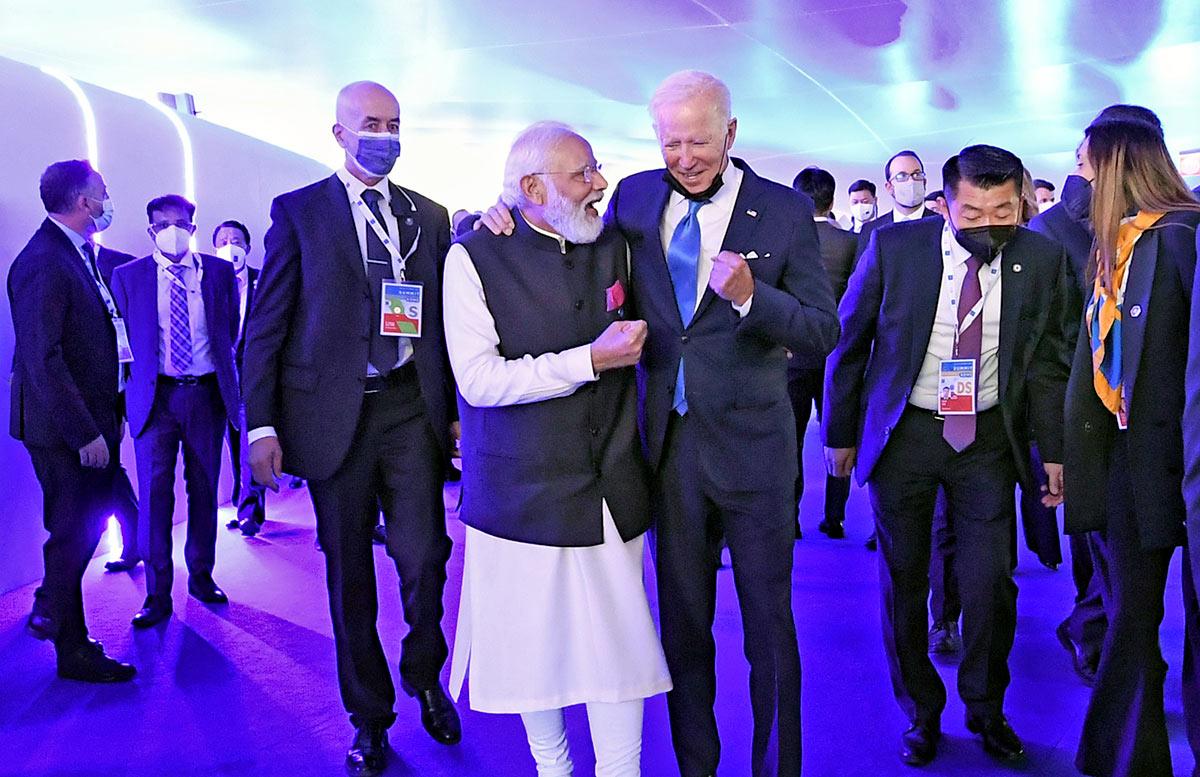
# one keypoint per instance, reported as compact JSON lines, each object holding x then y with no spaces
{"x":354,"y":190}
{"x":714,"y":223}
{"x":190,"y":278}
{"x":485,"y":378}
{"x":945,"y":323}
{"x":243,"y":286}
{"x":916,"y":215}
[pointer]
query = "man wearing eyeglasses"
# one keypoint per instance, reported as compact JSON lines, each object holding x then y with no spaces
{"x":904,"y":179}
{"x":181,"y":310}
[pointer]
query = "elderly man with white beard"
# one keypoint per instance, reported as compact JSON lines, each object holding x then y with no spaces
{"x":556,"y":500}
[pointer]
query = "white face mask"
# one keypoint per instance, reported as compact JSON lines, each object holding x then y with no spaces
{"x":1045,"y":206}
{"x":909,"y":193}
{"x":173,"y":240}
{"x":863,"y":211}
{"x":105,"y":219}
{"x":234,"y":254}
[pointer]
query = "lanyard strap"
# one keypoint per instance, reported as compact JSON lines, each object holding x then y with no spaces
{"x":399,"y":261}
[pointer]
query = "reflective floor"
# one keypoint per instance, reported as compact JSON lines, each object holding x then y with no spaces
{"x":250,"y":689}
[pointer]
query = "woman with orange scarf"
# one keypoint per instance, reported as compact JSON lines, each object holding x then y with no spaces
{"x":1124,"y":441}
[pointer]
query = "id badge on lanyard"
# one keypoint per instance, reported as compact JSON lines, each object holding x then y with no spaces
{"x":956,"y":387}
{"x":124,"y":352}
{"x":401,"y":302}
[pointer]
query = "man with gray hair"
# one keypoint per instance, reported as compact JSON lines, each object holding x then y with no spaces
{"x":726,"y":270}
{"x":556,"y":495}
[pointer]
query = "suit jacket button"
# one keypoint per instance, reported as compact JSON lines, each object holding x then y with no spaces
{"x":579,"y":304}
{"x":595,"y":432}
{"x":683,"y":339}
{"x":1087,"y":426}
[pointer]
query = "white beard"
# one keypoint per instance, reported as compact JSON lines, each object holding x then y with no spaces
{"x":571,"y":220}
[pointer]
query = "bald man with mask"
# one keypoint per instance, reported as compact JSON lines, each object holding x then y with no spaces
{"x":347,"y":384}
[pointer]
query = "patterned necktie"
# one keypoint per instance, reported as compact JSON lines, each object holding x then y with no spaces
{"x":683,"y":256}
{"x":959,"y":430}
{"x":181,"y":328}
{"x":383,"y":352}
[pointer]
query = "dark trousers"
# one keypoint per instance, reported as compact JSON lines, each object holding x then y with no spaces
{"x":944,"y":603}
{"x":1087,"y":621}
{"x":979,"y":484}
{"x":806,"y":389}
{"x":75,"y":503}
{"x":1040,"y":522}
{"x":249,"y":497}
{"x":191,"y":417}
{"x":394,"y":463}
{"x":693,"y":516}
{"x":1125,"y":729}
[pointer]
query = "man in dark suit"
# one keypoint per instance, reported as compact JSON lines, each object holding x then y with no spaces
{"x":181,"y":311}
{"x":992,"y":292}
{"x":904,"y":178}
{"x":231,"y":241}
{"x":66,"y":406}
{"x":334,"y":396}
{"x":726,"y":272}
{"x":805,"y":381}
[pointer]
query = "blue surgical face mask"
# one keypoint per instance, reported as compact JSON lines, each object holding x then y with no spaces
{"x":105,"y":219}
{"x":377,"y":151}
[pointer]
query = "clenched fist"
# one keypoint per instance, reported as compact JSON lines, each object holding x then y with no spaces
{"x":730,"y":278}
{"x":620,"y":345}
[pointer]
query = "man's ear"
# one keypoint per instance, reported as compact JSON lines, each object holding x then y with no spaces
{"x":534,"y":189}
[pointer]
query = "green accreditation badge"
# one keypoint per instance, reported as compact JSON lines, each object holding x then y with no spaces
{"x":401,"y":307}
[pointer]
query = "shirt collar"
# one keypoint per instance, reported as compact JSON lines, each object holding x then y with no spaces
{"x":820,"y":218}
{"x":189,"y":262}
{"x":76,"y":239}
{"x":898,"y":217}
{"x":953,"y":254}
{"x":356,"y":187}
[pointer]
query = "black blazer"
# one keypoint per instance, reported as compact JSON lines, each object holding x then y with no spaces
{"x":308,"y":332}
{"x":886,"y":220}
{"x":736,"y":368}
{"x":108,"y":259}
{"x":838,"y":254}
{"x":135,"y":288}
{"x":64,"y":379}
{"x":1154,"y":328}
{"x":887,"y":318}
{"x":251,"y":285}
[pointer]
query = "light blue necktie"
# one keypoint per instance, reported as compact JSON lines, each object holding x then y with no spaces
{"x":682,"y":257}
{"x":181,"y":329}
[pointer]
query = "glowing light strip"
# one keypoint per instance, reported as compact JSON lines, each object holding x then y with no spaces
{"x":189,"y":159}
{"x":89,"y":118}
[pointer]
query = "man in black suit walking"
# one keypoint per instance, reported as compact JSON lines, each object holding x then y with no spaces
{"x":347,"y":384}
{"x":66,"y":406}
{"x":231,"y":241}
{"x":916,"y":408}
{"x":805,"y":381}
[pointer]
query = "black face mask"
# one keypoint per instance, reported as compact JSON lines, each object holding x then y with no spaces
{"x":1077,"y":199}
{"x":985,"y":242}
{"x":707,"y":194}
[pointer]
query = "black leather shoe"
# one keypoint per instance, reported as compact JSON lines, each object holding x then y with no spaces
{"x":122,"y":564}
{"x":832,"y":529}
{"x":154,"y":611}
{"x":367,"y":756}
{"x":1079,"y":658}
{"x":234,"y":523}
{"x":871,"y":542}
{"x":999,"y":740}
{"x":89,"y":663}
{"x":40,"y":627}
{"x":250,"y":527}
{"x":918,"y":745}
{"x":438,"y":715}
{"x":944,"y":639}
{"x":206,"y":591}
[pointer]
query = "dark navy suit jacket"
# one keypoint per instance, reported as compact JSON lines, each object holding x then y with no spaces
{"x":886,"y":220}
{"x":308,"y":332}
{"x":135,"y":287}
{"x":887,"y":317}
{"x":64,"y":379}
{"x":735,"y":370}
{"x":1154,"y":332}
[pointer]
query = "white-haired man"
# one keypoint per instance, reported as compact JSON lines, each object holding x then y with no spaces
{"x":726,"y":271}
{"x":556,"y":494}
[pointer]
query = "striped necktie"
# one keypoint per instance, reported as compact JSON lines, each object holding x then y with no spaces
{"x":181,"y":327}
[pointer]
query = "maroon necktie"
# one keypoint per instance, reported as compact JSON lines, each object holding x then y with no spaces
{"x":959,"y":430}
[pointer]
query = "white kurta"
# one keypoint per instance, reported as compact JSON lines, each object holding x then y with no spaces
{"x":541,"y":627}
